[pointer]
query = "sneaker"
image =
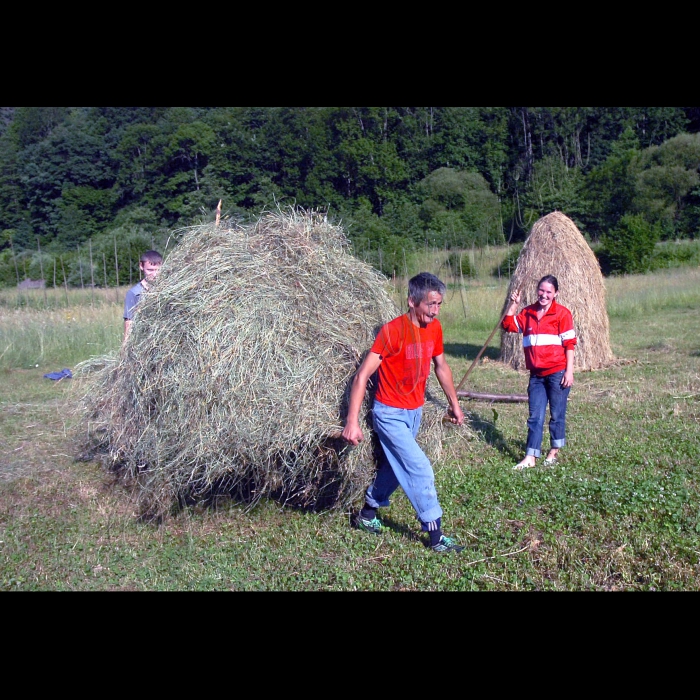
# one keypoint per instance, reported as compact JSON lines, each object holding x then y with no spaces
{"x":446,"y":544}
{"x":374,"y":526}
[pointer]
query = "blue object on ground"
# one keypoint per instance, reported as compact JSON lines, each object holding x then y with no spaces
{"x":64,"y":373}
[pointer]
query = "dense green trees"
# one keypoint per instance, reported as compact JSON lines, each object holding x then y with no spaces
{"x":459,"y":209}
{"x":398,"y":177}
{"x":665,"y":176}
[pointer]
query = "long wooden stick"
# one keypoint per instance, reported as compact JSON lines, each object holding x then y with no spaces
{"x":481,"y":352}
{"x":507,"y":398}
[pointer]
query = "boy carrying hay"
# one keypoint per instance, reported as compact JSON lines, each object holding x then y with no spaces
{"x":401,"y":356}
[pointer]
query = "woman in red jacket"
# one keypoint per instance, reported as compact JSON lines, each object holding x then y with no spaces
{"x":549,"y":339}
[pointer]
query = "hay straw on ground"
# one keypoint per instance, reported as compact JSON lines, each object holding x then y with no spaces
{"x":236,"y":374}
{"x":556,"y":247}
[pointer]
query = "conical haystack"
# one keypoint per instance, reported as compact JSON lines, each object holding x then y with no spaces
{"x":236,"y":374}
{"x":556,"y":247}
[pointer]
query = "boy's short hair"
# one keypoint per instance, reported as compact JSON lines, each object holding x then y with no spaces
{"x":151,"y":256}
{"x":423,"y":283}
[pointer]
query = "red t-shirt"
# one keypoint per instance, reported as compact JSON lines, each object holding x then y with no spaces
{"x":406,"y":351}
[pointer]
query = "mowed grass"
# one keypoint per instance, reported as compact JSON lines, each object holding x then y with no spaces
{"x":620,"y":512}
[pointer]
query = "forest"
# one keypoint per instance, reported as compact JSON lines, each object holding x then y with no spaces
{"x":84,"y":190}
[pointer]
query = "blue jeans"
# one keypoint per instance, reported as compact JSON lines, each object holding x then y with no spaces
{"x":403,"y":463}
{"x":541,"y":391}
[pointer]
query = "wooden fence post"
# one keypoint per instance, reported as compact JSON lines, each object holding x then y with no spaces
{"x":92,"y":276}
{"x":65,"y":282}
{"x":41,"y":267}
{"x":80,"y":262}
{"x":14,"y":259}
{"x":116,"y":269}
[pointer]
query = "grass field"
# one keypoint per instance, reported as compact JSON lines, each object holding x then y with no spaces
{"x":620,"y":512}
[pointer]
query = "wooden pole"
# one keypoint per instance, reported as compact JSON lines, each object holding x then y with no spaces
{"x":65,"y":283}
{"x":488,"y":340}
{"x":218,"y":213}
{"x":116,"y":270}
{"x":92,"y":276}
{"x":461,"y":285}
{"x":116,"y":259}
{"x":508,"y":398}
{"x":41,"y":267}
{"x":80,"y":261}
{"x":14,"y":259}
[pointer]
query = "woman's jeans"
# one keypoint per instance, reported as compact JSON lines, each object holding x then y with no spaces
{"x":403,"y":462}
{"x":540,"y":391}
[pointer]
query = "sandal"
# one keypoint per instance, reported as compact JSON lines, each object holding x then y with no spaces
{"x":523,"y":465}
{"x":550,"y":462}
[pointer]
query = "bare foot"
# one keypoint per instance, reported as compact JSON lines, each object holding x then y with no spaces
{"x":551,"y":458}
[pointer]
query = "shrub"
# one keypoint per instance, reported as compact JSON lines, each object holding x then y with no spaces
{"x":459,"y":263}
{"x":676,"y":254}
{"x":507,"y":266}
{"x":629,"y":248}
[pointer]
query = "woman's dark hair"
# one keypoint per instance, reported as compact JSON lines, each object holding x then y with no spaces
{"x":552,"y":280}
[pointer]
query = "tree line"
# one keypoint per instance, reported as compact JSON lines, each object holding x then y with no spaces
{"x":112,"y":181}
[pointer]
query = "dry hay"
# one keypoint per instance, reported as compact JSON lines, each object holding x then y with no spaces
{"x":556,"y":247}
{"x":236,"y":374}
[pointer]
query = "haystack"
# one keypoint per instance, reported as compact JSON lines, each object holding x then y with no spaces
{"x":556,"y":247}
{"x":236,"y":374}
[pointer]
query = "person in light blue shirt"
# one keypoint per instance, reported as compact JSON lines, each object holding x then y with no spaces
{"x":149,"y":264}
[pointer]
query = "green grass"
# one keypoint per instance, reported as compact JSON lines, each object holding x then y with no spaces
{"x":632,"y":296}
{"x":60,"y":330}
{"x":620,"y":512}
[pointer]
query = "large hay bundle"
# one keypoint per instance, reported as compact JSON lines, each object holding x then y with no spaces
{"x":556,"y":247}
{"x":236,"y":374}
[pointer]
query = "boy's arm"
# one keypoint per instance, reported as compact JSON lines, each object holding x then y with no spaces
{"x":129,"y":303}
{"x":444,"y":375}
{"x":352,"y":431}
